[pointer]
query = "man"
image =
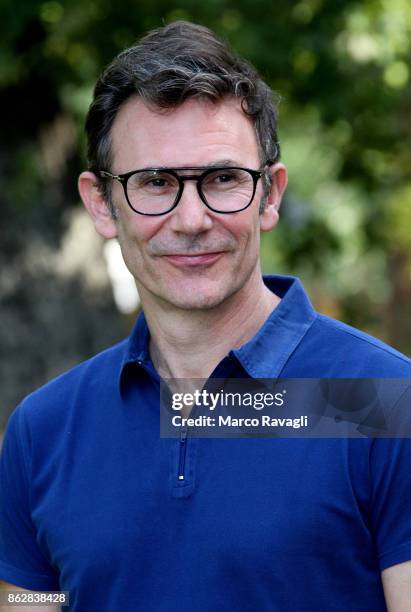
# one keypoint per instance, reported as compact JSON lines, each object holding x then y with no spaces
{"x":185,"y":172}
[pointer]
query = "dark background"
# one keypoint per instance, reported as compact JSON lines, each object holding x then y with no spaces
{"x":342,"y":69}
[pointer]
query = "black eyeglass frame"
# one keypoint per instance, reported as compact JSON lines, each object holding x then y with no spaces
{"x":124,"y":178}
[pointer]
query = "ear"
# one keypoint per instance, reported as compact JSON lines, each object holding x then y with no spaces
{"x":96,"y":205}
{"x":270,"y":216}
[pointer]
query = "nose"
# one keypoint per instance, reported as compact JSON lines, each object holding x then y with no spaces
{"x":191,"y":215}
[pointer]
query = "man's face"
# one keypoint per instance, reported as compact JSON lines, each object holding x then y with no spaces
{"x":191,"y":257}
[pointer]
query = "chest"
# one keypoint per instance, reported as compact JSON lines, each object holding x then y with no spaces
{"x":248,"y":500}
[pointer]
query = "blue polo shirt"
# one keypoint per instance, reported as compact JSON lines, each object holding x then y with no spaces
{"x":91,"y":501}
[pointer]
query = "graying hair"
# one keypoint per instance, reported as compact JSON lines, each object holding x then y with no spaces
{"x":167,"y":67}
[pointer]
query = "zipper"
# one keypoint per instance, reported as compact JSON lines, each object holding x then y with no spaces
{"x":184,"y":430}
{"x":183,"y":451}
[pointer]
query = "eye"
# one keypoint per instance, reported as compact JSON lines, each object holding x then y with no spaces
{"x":224,"y":177}
{"x":156,"y":182}
{"x":153,"y":181}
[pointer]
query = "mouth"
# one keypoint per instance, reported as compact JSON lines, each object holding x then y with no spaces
{"x":197,"y":259}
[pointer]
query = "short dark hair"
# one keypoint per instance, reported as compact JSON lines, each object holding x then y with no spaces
{"x":168,"y":66}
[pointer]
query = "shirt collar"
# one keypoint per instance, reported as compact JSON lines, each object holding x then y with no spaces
{"x":137,"y":344}
{"x":265,"y":355}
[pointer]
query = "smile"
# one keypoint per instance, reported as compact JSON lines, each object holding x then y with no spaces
{"x":198,"y":259}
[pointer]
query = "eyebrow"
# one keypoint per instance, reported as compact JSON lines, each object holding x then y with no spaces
{"x":221,"y":163}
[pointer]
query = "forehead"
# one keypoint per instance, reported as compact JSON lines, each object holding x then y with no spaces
{"x":197,"y":132}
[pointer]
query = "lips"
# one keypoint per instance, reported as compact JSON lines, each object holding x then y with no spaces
{"x":197,"y":259}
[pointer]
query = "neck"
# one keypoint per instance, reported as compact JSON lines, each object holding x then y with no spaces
{"x":190,"y":343}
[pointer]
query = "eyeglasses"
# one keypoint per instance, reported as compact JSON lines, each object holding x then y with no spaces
{"x":157,"y":191}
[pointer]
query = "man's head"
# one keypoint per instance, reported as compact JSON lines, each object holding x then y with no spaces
{"x":180,"y":99}
{"x":169,"y":66}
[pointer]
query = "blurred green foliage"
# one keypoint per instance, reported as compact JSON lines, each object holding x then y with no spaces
{"x":342,"y":70}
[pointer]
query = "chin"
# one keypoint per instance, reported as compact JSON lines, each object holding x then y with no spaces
{"x":196,"y":293}
{"x":195,"y":298}
{"x":199,"y":302}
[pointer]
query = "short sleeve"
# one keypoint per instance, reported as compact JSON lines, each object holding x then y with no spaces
{"x":22,"y":562}
{"x":390,"y":473}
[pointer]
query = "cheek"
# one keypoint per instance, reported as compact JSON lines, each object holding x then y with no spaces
{"x":137,"y":230}
{"x":245,"y":228}
{"x":251,"y":241}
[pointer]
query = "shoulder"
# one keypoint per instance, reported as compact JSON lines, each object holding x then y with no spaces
{"x":333,"y":348}
{"x":83,"y":386}
{"x":101,"y":367}
{"x":351,"y":336}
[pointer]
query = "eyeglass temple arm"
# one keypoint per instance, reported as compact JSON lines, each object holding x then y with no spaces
{"x":109,"y":175}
